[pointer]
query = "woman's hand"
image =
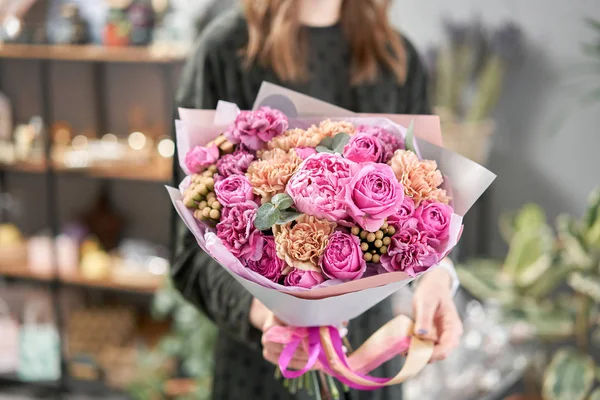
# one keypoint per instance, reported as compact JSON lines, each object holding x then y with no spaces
{"x":263,"y":319}
{"x":436,"y":317}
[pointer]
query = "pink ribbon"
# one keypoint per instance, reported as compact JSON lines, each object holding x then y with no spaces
{"x":310,"y":339}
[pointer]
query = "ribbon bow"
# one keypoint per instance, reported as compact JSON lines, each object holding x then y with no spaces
{"x":325,"y":351}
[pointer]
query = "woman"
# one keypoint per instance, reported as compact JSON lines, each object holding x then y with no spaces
{"x":343,"y":52}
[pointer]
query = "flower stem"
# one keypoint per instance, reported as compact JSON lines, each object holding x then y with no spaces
{"x":315,"y":381}
{"x":333,"y":388}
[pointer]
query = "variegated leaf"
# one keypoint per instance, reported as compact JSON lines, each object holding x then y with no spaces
{"x":570,"y":376}
{"x":483,"y":279}
{"x":592,"y":214}
{"x":586,"y":284}
{"x":595,"y":395}
{"x":529,"y":249}
{"x":574,"y":251}
{"x":552,"y":279}
{"x":551,"y":323}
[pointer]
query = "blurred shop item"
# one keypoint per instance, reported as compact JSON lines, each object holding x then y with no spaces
{"x":129,"y":22}
{"x":39,"y":350}
{"x":24,"y":21}
{"x":9,"y":345}
{"x":104,"y":222}
{"x":530,"y":284}
{"x":13,"y":248}
{"x":70,"y":28}
{"x":29,"y":141}
{"x":468,"y":75}
{"x":6,"y":120}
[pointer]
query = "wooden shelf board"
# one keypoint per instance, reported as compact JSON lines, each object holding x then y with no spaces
{"x":158,"y":54}
{"x":22,"y":272}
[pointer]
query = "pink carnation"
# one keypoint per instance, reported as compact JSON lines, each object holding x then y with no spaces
{"x":304,"y":279}
{"x":363,"y":147}
{"x":305,"y":152}
{"x":199,"y":158}
{"x":315,"y":187}
{"x":236,"y":230}
{"x":270,"y":266}
{"x":409,"y":250}
{"x":254,"y":128}
{"x":234,"y":164}
{"x":233,"y":189}
{"x":372,"y":195}
{"x":434,"y":220}
{"x":390,"y":142}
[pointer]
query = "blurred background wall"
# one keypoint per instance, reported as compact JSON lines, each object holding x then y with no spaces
{"x":535,"y":160}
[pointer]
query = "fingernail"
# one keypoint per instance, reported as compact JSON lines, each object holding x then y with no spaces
{"x":422,"y":332}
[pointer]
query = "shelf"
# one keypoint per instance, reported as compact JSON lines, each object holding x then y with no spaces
{"x":152,"y":172}
{"x":156,"y":54}
{"x":77,"y":280}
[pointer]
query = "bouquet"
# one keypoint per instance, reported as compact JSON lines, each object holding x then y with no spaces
{"x":322,"y":217}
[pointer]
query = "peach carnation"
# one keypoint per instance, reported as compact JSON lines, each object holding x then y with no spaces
{"x":329,"y":128}
{"x":294,"y":138}
{"x":302,"y":243}
{"x":421,"y":178}
{"x":269,"y":175}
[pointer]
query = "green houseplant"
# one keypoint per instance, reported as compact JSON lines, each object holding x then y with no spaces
{"x":551,"y":283}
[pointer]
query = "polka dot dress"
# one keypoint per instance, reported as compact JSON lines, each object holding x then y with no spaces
{"x":213,"y":73}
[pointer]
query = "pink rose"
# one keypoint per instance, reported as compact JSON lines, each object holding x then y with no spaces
{"x":372,"y":195}
{"x":234,"y":164}
{"x":434,"y":219}
{"x":409,"y":250}
{"x":199,"y":158}
{"x":254,"y":128}
{"x":236,"y":230}
{"x":406,"y":211}
{"x":363,"y":147}
{"x":343,"y":258}
{"x":305,"y":152}
{"x":270,"y":266}
{"x":390,"y":143}
{"x":315,"y":187}
{"x":233,"y":189}
{"x":303,"y":279}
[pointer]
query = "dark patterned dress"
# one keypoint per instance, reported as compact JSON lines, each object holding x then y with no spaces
{"x":215,"y":72}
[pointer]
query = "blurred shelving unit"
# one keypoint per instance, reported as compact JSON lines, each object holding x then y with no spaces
{"x":156,"y":172}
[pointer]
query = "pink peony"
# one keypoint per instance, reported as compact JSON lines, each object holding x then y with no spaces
{"x":409,"y":250}
{"x":434,"y":219}
{"x":234,"y":164}
{"x":343,"y":258}
{"x":390,"y":142}
{"x":199,"y":158}
{"x":305,"y":152}
{"x":406,"y":211}
{"x":304,"y":279}
{"x":363,"y":147}
{"x":234,"y":189}
{"x":270,"y":266}
{"x":315,"y":187}
{"x":254,"y":128}
{"x":238,"y":233}
{"x":372,"y":195}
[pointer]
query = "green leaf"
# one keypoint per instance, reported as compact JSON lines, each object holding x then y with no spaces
{"x":327,"y":142}
{"x":587,"y":285}
{"x":409,"y":140}
{"x":323,"y":149}
{"x":529,"y":254}
{"x":595,"y":395}
{"x":593,"y":23}
{"x":570,"y":376}
{"x":552,"y":279}
{"x":549,"y":322}
{"x":266,"y":216}
{"x":484,"y":280}
{"x":282,"y":201}
{"x":287,"y":217}
{"x":339,"y":142}
{"x":574,"y":251}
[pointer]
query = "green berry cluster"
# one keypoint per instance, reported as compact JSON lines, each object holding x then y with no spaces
{"x":374,"y":244}
{"x":200,"y":197}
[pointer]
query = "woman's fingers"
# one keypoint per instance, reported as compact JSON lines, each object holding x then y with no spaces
{"x":297,"y":362}
{"x":451,"y":331}
{"x":425,"y":309}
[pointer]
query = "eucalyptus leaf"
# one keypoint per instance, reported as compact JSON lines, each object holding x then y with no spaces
{"x":266,"y":216}
{"x":409,"y":140}
{"x":339,"y":142}
{"x":282,"y":201}
{"x":570,"y":376}
{"x":287,"y":217}
{"x":327,"y":142}
{"x":323,"y":149}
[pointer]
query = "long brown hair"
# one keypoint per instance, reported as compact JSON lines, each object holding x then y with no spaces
{"x":274,"y":39}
